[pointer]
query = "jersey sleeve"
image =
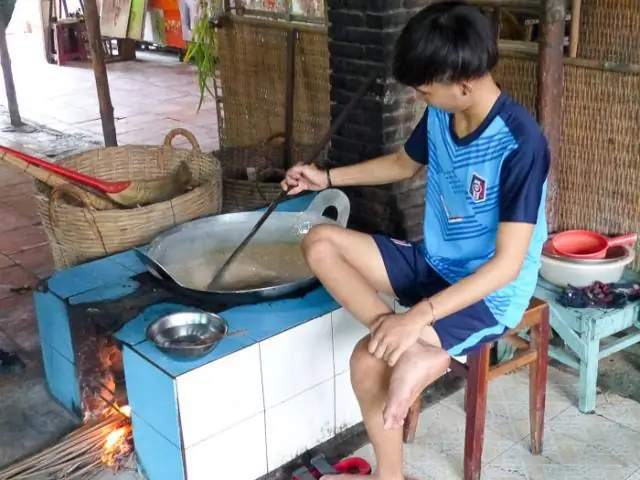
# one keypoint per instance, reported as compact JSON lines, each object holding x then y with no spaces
{"x":416,"y":144}
{"x":522,"y":179}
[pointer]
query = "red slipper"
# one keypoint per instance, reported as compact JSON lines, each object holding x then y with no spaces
{"x":353,"y":465}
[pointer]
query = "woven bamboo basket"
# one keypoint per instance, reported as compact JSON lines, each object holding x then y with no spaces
{"x":78,"y":233}
{"x":253,"y":75}
{"x":240,"y":192}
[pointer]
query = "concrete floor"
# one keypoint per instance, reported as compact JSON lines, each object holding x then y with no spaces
{"x":157,"y":94}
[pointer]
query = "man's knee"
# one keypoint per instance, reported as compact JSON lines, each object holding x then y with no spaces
{"x":318,"y":243}
{"x":441,"y":360}
{"x":367,"y":372}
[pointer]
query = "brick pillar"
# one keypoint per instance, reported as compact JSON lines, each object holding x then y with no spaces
{"x":362,"y":36}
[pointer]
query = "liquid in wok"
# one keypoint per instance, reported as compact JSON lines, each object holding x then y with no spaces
{"x":258,"y":266}
{"x":272,"y":264}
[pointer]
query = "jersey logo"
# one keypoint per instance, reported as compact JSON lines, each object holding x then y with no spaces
{"x":478,"y":188}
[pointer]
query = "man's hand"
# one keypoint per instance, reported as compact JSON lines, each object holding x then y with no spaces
{"x":392,"y":335}
{"x":304,"y":177}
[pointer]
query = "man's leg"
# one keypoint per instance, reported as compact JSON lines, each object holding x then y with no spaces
{"x":350,"y":266}
{"x":370,"y":378}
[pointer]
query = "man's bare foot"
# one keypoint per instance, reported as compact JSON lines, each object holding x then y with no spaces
{"x":417,"y":367}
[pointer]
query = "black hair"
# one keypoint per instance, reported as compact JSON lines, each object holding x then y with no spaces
{"x":447,"y":42}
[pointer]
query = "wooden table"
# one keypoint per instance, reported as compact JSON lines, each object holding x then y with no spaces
{"x":583,"y":329}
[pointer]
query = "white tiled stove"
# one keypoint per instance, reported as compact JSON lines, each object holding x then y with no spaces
{"x":256,"y":402}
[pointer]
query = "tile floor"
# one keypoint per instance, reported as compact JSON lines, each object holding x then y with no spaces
{"x":576,"y":446}
{"x":150,"y":96}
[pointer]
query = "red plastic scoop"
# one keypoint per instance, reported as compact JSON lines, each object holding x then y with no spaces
{"x":588,"y":244}
{"x":101,"y":185}
{"x":125,"y":193}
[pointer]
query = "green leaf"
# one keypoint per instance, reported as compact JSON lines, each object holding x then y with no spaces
{"x":202,"y":51}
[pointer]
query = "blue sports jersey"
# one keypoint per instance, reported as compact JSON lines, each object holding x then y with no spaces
{"x":496,"y":174}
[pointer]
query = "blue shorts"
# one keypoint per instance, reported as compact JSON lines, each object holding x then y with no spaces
{"x":413,"y":279}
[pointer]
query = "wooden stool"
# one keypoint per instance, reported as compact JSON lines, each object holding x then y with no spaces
{"x":478,"y":373}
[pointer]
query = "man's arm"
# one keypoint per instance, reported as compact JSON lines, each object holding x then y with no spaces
{"x":378,"y":171}
{"x":522,"y":180}
{"x":512,"y":244}
{"x":392,"y":168}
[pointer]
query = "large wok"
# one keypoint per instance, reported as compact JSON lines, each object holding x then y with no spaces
{"x":190,"y":242}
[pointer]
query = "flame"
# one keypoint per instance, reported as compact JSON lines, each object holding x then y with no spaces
{"x":117,"y":445}
{"x":114,"y":438}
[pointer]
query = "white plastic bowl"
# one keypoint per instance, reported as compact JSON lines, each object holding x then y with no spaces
{"x":563,"y":273}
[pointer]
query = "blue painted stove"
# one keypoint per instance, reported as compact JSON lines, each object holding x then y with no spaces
{"x":255,"y":402}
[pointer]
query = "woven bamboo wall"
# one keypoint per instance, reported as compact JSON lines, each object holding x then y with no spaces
{"x":518,"y":77}
{"x":253,"y":76}
{"x":610,"y":30}
{"x":598,"y":172}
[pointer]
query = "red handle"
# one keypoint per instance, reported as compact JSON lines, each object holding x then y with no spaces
{"x":622,"y":240}
{"x":103,"y":186}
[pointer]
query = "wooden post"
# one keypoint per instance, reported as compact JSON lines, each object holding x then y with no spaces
{"x":550,"y":89}
{"x":92,"y":20}
{"x":7,"y":73}
{"x":575,"y":28}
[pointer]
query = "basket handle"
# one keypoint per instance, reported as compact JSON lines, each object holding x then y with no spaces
{"x":260,"y":192}
{"x":266,"y":142}
{"x":80,"y":195}
{"x":184,"y":133}
{"x":272,"y":137}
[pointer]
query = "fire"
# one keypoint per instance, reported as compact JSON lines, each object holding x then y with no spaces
{"x":118,"y":444}
{"x":114,"y":438}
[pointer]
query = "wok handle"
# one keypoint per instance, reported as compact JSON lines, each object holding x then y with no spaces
{"x":326,"y":199}
{"x":622,"y":240}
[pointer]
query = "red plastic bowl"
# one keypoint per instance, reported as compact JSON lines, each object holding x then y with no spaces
{"x":587,"y":244}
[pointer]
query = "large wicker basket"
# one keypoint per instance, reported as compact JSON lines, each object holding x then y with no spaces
{"x":78,"y":233}
{"x":243,"y":194}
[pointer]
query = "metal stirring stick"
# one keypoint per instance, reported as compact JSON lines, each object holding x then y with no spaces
{"x":308,"y":160}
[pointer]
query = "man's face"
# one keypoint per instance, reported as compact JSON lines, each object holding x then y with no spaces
{"x":449,"y":97}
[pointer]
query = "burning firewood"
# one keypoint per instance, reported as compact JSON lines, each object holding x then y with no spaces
{"x":81,"y":455}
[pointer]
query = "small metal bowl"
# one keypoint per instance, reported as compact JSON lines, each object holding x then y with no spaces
{"x":187,"y":335}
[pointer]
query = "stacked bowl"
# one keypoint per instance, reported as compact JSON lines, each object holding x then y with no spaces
{"x":582,"y":257}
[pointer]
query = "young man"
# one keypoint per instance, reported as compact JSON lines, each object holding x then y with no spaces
{"x":474,"y":274}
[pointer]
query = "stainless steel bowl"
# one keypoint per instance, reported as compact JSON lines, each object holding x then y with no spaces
{"x":187,"y":335}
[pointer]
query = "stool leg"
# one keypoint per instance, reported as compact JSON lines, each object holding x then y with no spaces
{"x":58,"y":42}
{"x":476,"y":408}
{"x":538,"y":381}
{"x":411,"y":422}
